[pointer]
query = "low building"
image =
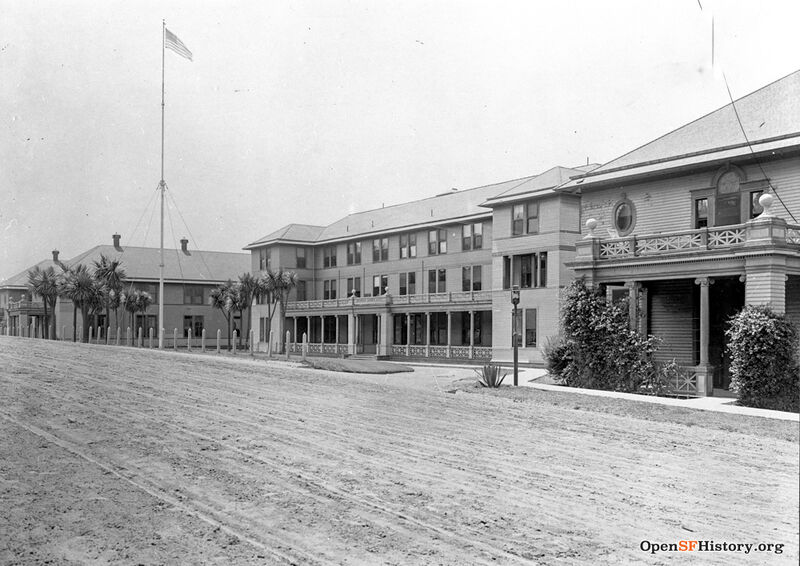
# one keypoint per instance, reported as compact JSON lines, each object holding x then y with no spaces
{"x":189,"y":277}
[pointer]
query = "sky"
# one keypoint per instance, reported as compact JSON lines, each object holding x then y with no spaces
{"x":306,"y":111}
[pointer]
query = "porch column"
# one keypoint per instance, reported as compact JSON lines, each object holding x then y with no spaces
{"x":634,"y":312}
{"x":427,"y":334}
{"x":308,"y":328}
{"x":765,"y":282}
{"x":385,"y":334}
{"x":322,"y":330}
{"x":351,"y":334}
{"x":337,"y":332}
{"x":471,"y":334}
{"x":294,"y":334}
{"x":704,"y":372}
{"x":408,"y":334}
{"x":449,"y":332}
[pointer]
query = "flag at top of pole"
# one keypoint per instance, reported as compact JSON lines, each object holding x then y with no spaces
{"x":171,"y":41}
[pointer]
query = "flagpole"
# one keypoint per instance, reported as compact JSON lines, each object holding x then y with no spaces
{"x":162,"y":187}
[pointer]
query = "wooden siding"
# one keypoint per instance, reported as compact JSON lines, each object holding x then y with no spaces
{"x":671,"y":315}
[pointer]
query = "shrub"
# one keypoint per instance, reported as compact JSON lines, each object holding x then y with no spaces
{"x":597,"y":348}
{"x":489,"y":376}
{"x":664,"y":379}
{"x":765,"y":371}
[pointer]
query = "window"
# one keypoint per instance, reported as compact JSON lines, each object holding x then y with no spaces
{"x":437,"y":241}
{"x":437,"y":281}
{"x":471,"y":278}
{"x":380,"y":283}
{"x":408,"y":283}
{"x":152,"y":290}
{"x":624,"y":217}
{"x":329,"y":256}
{"x":264,"y":259}
{"x":354,"y":253}
{"x":408,"y":245}
{"x":329,"y":289}
{"x":755,"y":206}
{"x":193,"y":323}
{"x":192,"y":295}
{"x":530,"y":328}
{"x":354,"y":286}
{"x":472,"y":236}
{"x":728,"y":199}
{"x":380,"y":249}
{"x":517,"y":219}
{"x":533,"y":218}
{"x":301,"y":257}
{"x":438,"y":332}
{"x":701,"y":213}
{"x":301,"y":291}
{"x":527,"y":270}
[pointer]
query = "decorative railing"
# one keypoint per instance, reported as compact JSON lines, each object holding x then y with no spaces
{"x":25,"y":304}
{"x":688,"y":240}
{"x":417,"y":351}
{"x":684,"y":384}
{"x":482,"y":353}
{"x":398,"y":350}
{"x":793,"y":234}
{"x":419,"y":299}
{"x":459,"y":352}
{"x":438,"y":352}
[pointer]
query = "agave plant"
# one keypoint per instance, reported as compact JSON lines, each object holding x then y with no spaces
{"x":489,"y":376}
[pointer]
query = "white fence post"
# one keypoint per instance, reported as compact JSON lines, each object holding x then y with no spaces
{"x":188,"y":339}
{"x":235,"y":336}
{"x":91,"y":329}
{"x":150,"y":332}
{"x":252,"y":337}
{"x":305,"y":345}
{"x":218,"y":337}
{"x":269,"y":343}
{"x":203,"y":341}
{"x":139,"y":341}
{"x":175,"y":339}
{"x":288,"y":337}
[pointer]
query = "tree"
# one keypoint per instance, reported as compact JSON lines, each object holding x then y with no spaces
{"x":83,"y":290}
{"x":110,"y":272}
{"x":136,"y":302}
{"x":286,"y":281}
{"x":44,"y":283}
{"x":274,"y":288}
{"x":247,"y":290}
{"x":222,"y":298}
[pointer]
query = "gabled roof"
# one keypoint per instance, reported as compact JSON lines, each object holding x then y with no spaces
{"x":295,"y":233}
{"x":769,"y":116}
{"x":20,"y":280}
{"x":142,"y":263}
{"x":452,"y":206}
{"x":536,"y":186}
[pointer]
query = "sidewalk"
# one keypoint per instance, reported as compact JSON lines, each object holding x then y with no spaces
{"x":528,"y":377}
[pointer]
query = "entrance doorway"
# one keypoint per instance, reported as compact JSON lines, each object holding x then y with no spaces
{"x":726,"y":298}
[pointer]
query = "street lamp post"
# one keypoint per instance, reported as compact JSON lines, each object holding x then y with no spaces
{"x":514,"y":333}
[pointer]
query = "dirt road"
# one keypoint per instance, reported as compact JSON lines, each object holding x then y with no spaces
{"x":118,"y":455}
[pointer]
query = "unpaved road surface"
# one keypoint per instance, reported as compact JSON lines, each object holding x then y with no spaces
{"x":126,"y":456}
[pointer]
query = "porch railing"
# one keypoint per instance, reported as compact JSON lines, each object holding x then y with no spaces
{"x":689,"y":240}
{"x":459,"y":297}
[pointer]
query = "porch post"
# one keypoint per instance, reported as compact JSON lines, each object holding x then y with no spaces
{"x":471,"y":334}
{"x":294,"y":334}
{"x":427,"y":334}
{"x":351,"y":334}
{"x":449,"y":332}
{"x":408,"y":334}
{"x":336,"y":317}
{"x":704,"y":372}
{"x":322,"y":330}
{"x":308,"y":328}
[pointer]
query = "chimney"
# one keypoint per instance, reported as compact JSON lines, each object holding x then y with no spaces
{"x":116,"y":238}
{"x":55,"y":256}
{"x":184,"y":244}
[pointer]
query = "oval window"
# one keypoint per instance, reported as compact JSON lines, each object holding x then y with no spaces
{"x":624,"y":217}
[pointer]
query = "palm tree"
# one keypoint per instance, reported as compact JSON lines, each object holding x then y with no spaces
{"x":110,"y":272}
{"x":247,"y":289}
{"x":265,"y":288}
{"x":276,"y":286}
{"x":44,"y":282}
{"x":222,"y":298}
{"x":79,"y":286}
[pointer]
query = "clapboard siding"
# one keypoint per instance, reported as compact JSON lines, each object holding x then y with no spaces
{"x":671,"y":319}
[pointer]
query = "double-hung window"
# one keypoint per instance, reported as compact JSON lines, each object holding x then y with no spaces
{"x":354,"y":286}
{"x":301,"y":258}
{"x":353,"y":253}
{"x":380,"y":249}
{"x":437,"y":241}
{"x":329,"y":289}
{"x":471,"y":278}
{"x":525,"y":219}
{"x":472,"y":236}
{"x":408,"y":283}
{"x":437,"y":281}
{"x":329,"y":256}
{"x":408,"y":245}
{"x":380,"y":284}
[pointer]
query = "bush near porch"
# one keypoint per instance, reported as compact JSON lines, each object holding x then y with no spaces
{"x":597,"y":349}
{"x":765,"y":370}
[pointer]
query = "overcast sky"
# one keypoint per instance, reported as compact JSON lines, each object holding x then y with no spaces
{"x":306,"y":111}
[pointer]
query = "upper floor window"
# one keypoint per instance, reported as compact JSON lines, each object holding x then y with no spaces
{"x":437,"y":281}
{"x":353,"y":253}
{"x":526,"y":270}
{"x":701,"y":213}
{"x":755,"y":206}
{"x":408,"y":245}
{"x":301,"y":291}
{"x":471,"y":278}
{"x":192,"y":295}
{"x":380,"y":284}
{"x":408,"y":283}
{"x":380,"y":249}
{"x":264,"y":259}
{"x":437,"y":241}
{"x":301,"y":257}
{"x":624,"y":217}
{"x":525,"y":219}
{"x":472,"y":236}
{"x":329,"y":256}
{"x":329,"y":289}
{"x":354,"y":286}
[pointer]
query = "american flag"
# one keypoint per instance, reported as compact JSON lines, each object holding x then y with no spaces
{"x":171,"y":41}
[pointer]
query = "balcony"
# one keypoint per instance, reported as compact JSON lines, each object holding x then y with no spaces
{"x":25,"y":305}
{"x":758,"y":233}
{"x":454,"y":297}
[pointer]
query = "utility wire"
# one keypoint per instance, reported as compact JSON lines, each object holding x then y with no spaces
{"x":203,"y":259}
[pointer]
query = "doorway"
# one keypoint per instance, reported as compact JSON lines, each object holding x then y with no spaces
{"x":726,"y":298}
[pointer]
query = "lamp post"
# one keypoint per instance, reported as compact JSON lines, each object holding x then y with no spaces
{"x":514,"y":333}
